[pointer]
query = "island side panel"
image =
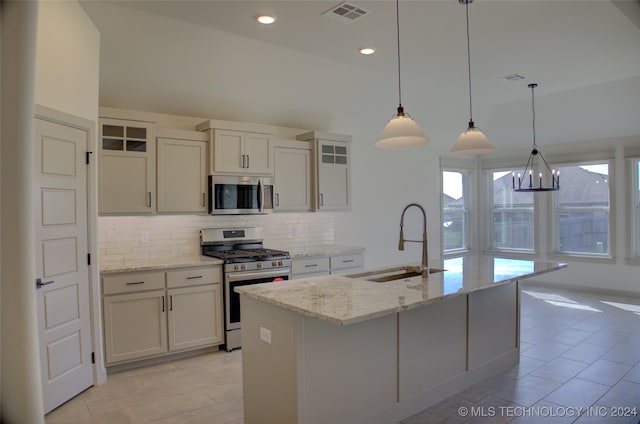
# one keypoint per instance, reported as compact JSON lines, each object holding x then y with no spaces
{"x":493,"y":324}
{"x":269,"y":371}
{"x":350,"y":372}
{"x":432,"y":348}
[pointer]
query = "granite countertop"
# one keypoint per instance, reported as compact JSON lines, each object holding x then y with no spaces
{"x":160,"y":264}
{"x":342,"y":300}
{"x":325,"y":250}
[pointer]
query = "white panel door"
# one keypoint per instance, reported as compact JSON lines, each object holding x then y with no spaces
{"x":61,"y":262}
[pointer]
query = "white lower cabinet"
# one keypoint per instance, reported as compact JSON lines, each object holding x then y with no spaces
{"x":150,"y":314}
{"x":192,"y":319}
{"x":135,"y":325}
{"x":304,"y":267}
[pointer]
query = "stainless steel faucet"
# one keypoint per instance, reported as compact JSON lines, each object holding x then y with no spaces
{"x":425,"y":255}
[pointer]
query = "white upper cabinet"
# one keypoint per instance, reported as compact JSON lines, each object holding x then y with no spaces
{"x":126,"y":180}
{"x":292,"y":170}
{"x":182,"y":171}
{"x":238,"y":152}
{"x":332,"y":170}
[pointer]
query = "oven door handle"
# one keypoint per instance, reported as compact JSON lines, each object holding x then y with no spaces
{"x":244,"y":276}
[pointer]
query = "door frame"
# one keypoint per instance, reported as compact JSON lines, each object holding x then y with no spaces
{"x":55,"y":116}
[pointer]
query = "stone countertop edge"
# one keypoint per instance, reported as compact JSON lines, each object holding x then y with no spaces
{"x":261,"y":292}
{"x":185,"y":262}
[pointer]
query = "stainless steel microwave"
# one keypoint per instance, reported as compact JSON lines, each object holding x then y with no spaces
{"x":240,"y":195}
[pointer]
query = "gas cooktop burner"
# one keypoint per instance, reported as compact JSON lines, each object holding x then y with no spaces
{"x":248,"y":255}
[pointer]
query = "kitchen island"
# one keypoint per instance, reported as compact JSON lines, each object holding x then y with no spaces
{"x":336,"y":349}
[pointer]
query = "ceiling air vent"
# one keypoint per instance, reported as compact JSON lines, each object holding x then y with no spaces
{"x":346,"y":12}
{"x":512,"y":78}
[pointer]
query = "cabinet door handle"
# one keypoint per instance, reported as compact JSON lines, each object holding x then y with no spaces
{"x":243,"y":162}
{"x":203,"y":200}
{"x":40,"y":284}
{"x":321,"y":199}
{"x":277,"y":199}
{"x":247,"y":161}
{"x":148,"y":199}
{"x":171,"y":302}
{"x":194,"y":277}
{"x":135,"y":283}
{"x":162,"y":303}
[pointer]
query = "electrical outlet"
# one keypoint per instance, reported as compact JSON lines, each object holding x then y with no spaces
{"x":265,"y":335}
{"x":144,"y":237}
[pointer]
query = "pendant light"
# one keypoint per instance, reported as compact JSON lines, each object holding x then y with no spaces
{"x":401,"y":131}
{"x":537,"y":174}
{"x":472,"y":141}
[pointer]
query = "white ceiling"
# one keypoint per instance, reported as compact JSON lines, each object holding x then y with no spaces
{"x":211,"y":59}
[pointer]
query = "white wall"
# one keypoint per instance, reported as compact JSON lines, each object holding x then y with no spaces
{"x":68,"y":59}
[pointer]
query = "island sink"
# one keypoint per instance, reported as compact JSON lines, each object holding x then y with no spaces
{"x":393,"y":274}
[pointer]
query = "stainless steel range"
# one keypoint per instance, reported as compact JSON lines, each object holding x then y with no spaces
{"x":246,"y":262}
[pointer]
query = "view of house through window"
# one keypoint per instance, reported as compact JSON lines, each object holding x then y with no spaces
{"x":512,"y":215}
{"x":454,"y":211}
{"x":583,"y":209}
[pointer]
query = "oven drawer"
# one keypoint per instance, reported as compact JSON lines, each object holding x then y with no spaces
{"x":346,"y":262}
{"x":194,"y":276}
{"x":308,"y":266}
{"x":132,"y":282}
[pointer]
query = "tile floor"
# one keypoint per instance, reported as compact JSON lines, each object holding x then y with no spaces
{"x":580,"y":352}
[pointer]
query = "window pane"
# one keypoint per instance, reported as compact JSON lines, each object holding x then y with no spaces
{"x":453,"y":229}
{"x":584,"y":186}
{"x":583,"y":232}
{"x":513,"y":229}
{"x":454,"y":210}
{"x":512,"y":215}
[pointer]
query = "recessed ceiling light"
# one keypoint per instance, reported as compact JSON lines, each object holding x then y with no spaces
{"x":266,"y":19}
{"x":367,"y":51}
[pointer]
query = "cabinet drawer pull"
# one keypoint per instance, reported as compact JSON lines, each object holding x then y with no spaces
{"x":194,"y":277}
{"x":310,"y":265}
{"x":344,"y":261}
{"x":134,"y":283}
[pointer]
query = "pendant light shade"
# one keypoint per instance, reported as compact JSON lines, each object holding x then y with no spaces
{"x":401,"y":131}
{"x":472,"y":141}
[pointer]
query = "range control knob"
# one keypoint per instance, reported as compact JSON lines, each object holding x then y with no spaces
{"x":274,"y":263}
{"x":258,"y":265}
{"x":242,"y":267}
{"x":279,"y":263}
{"x":235,"y":267}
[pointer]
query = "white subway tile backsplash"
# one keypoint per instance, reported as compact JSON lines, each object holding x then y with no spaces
{"x":120,"y":238}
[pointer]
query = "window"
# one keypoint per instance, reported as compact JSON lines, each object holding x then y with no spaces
{"x":455,"y":211}
{"x":511,"y":215}
{"x":582,"y":210}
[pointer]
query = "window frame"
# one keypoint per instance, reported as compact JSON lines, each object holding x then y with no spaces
{"x":554,"y":211}
{"x":467,"y":179}
{"x":633,"y":208}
